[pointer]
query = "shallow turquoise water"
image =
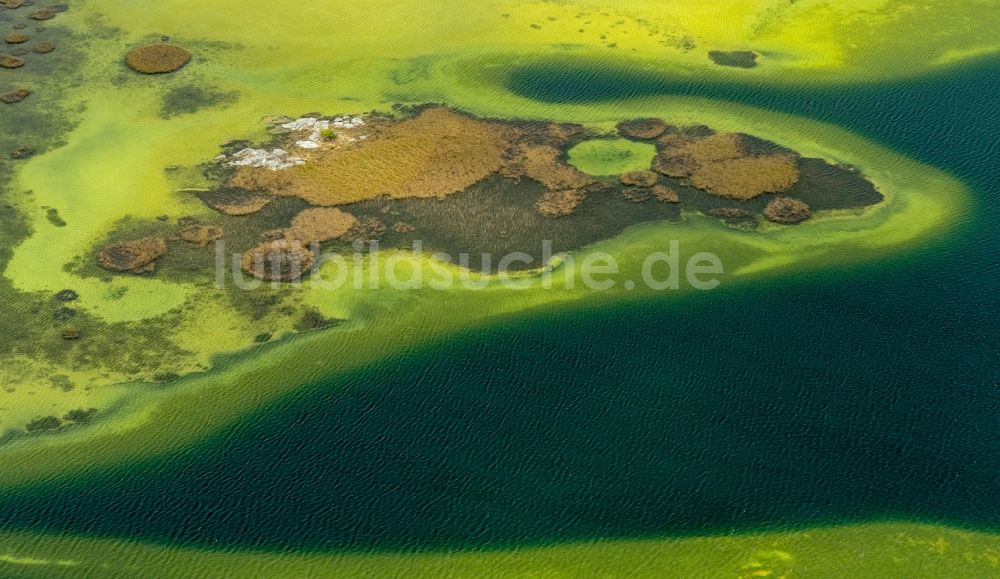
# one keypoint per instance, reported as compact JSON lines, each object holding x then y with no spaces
{"x":832,"y":396}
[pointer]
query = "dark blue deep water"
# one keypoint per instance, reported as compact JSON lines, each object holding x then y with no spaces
{"x":860,"y":394}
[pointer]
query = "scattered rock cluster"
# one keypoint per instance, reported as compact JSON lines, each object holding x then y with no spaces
{"x":276,"y":159}
{"x":318,"y":127}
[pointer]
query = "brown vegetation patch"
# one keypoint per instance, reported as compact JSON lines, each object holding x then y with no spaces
{"x":43,"y":14}
{"x":367,"y":229}
{"x":787,"y":210}
{"x":157,"y":58}
{"x":665,"y":194}
{"x":15,"y":96}
{"x":402,"y":227}
{"x":280,"y":260}
{"x":236,"y":204}
{"x":734,"y":217}
{"x":201,"y":235}
{"x":321,"y":224}
{"x":12,"y":4}
{"x":637,"y":194}
{"x":642,"y":128}
{"x":136,"y":256}
{"x":747,"y":177}
{"x":639,"y":178}
{"x":15,"y":38}
{"x":559,"y":203}
{"x":44,"y":47}
{"x":436,"y":153}
{"x":726,"y":164}
{"x":544,"y":164}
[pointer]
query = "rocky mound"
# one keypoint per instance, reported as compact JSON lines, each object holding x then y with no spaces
{"x":15,"y":38}
{"x":787,"y":210}
{"x":136,"y":256}
{"x":436,"y":153}
{"x":559,"y":203}
{"x":642,"y":128}
{"x":157,"y":58}
{"x":280,"y":260}
{"x":319,"y":224}
{"x":43,"y":47}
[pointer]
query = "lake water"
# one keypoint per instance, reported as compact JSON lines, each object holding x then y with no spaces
{"x":860,"y":394}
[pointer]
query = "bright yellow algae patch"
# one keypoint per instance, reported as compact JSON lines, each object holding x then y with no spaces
{"x":888,"y":549}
